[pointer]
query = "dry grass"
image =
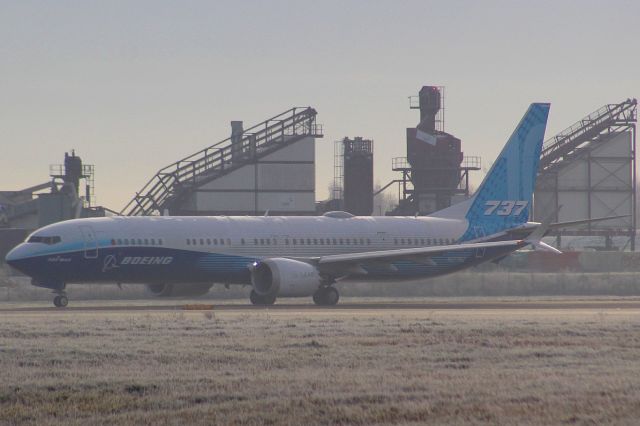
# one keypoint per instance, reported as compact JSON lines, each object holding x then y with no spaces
{"x":320,"y":367}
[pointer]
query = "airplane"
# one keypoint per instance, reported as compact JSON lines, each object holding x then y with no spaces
{"x":288,"y":256}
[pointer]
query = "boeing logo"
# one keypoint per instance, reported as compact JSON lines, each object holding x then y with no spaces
{"x":110,"y":262}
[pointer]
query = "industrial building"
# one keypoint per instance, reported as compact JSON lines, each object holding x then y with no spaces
{"x":352,"y":177}
{"x":435,"y":172}
{"x":269,"y":167}
{"x":60,"y":198}
{"x":588,"y":171}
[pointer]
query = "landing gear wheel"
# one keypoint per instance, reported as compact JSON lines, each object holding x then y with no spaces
{"x":60,"y":301}
{"x":326,"y":296}
{"x":258,"y":299}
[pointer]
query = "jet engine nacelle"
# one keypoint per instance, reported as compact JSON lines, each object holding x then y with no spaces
{"x":285,"y":278}
{"x":179,"y":290}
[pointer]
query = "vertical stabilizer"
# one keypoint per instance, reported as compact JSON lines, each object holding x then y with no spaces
{"x":504,"y":197}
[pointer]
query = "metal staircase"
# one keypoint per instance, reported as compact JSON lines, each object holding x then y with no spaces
{"x":586,"y":134}
{"x":177,"y":180}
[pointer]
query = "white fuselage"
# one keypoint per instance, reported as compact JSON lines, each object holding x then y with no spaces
{"x":220,"y":249}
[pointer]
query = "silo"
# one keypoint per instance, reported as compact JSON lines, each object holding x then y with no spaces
{"x":358,"y":176}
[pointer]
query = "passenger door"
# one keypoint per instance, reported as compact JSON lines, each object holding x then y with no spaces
{"x":90,"y":242}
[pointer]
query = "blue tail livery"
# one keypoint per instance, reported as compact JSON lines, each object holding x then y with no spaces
{"x":503,"y":200}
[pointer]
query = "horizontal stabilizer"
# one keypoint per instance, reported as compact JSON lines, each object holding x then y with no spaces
{"x":560,"y":225}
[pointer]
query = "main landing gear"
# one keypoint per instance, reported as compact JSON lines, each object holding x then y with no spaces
{"x":258,"y":299}
{"x":326,"y":296}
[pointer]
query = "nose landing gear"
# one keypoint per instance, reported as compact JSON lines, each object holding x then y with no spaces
{"x":61,"y":301}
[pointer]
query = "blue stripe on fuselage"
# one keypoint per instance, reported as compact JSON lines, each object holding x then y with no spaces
{"x":167,"y":265}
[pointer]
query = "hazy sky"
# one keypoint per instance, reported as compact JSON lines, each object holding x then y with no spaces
{"x":136,"y":85}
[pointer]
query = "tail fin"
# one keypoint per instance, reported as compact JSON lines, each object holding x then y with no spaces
{"x":504,"y":197}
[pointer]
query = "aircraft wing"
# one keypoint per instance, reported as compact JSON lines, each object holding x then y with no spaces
{"x":351,"y":262}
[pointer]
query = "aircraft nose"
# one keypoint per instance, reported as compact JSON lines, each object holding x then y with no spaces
{"x":15,"y":255}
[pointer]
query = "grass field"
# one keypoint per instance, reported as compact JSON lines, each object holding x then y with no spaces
{"x":321,"y":367}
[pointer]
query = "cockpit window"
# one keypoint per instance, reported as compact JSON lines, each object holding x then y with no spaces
{"x":44,"y":240}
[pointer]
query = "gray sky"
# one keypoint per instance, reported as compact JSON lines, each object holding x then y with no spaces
{"x":136,"y":85}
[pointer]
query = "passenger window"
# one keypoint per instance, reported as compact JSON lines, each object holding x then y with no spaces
{"x":348,"y":241}
{"x":308,"y":241}
{"x":286,"y":241}
{"x":119,"y":242}
{"x":201,"y":241}
{"x":395,"y":241}
{"x":146,"y":241}
{"x":334,"y":241}
{"x":255,"y":241}
{"x":368,"y":242}
{"x":242,"y":241}
{"x":208,"y":241}
{"x":294,"y":241}
{"x":113,"y":242}
{"x":160,"y":241}
{"x":221,"y":241}
{"x":301,"y":241}
{"x":341,"y":242}
{"x":268,"y":241}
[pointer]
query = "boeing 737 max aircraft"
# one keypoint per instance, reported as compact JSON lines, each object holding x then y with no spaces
{"x":296,"y":256}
